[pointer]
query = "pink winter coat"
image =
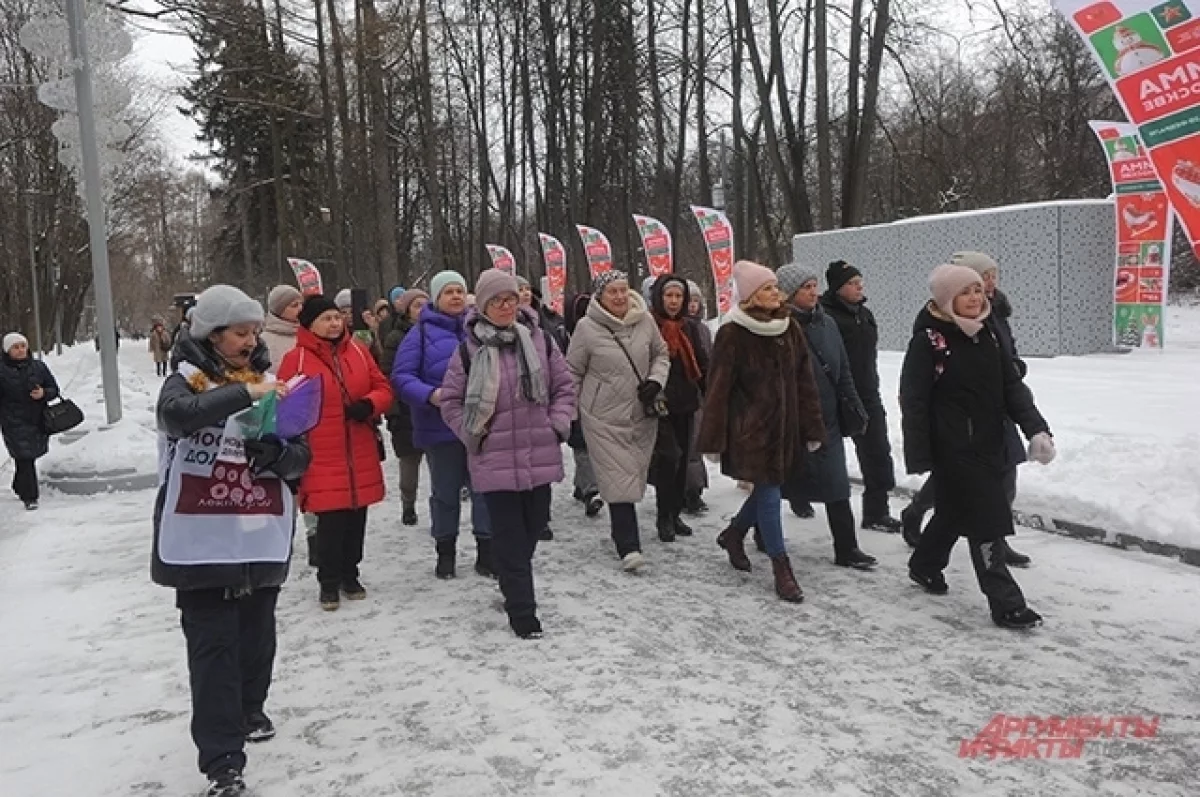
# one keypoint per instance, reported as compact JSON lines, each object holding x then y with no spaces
{"x":523,"y":448}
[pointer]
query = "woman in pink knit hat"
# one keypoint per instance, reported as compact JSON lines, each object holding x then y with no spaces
{"x":760,"y":409}
{"x":958,"y":387}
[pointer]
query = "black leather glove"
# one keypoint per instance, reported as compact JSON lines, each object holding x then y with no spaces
{"x":360,"y":410}
{"x":262,"y":454}
{"x":648,"y":391}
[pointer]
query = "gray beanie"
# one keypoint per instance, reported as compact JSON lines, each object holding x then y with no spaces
{"x":344,"y":300}
{"x":792,"y":276}
{"x":280,"y":297}
{"x":222,"y":306}
{"x":979,"y":262}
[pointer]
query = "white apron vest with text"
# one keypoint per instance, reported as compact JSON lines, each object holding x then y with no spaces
{"x":216,"y":511}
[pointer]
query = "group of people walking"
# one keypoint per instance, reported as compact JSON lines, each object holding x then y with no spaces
{"x":487,"y":388}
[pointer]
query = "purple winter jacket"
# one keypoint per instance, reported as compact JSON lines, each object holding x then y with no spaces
{"x":523,"y":448}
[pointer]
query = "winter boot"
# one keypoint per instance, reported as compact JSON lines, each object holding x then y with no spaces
{"x":526,"y":627}
{"x":259,"y":727}
{"x":802,"y":509}
{"x":447,"y":550}
{"x":857,"y":559}
{"x":330,"y":599}
{"x":682,"y":529}
{"x":31,"y":506}
{"x":934,"y":584}
{"x":886,"y":524}
{"x":733,"y":541}
{"x":846,"y":552}
{"x":1013,"y":557}
{"x":911,"y":519}
{"x":1019,"y":619}
{"x":483,"y":557}
{"x":354,"y":589}
{"x":693,"y":504}
{"x":593,"y":503}
{"x":633,"y":562}
{"x":409,"y":516}
{"x":785,"y":580}
{"x":666,"y":528}
{"x":225,"y":783}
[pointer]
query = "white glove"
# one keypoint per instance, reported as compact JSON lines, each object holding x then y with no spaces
{"x":1041,"y":448}
{"x":813,"y":446}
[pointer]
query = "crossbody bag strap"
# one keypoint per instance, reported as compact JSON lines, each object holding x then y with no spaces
{"x":628,"y":357}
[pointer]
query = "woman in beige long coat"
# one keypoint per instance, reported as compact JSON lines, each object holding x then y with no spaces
{"x":620,"y":364}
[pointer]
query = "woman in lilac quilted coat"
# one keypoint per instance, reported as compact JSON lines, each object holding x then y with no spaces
{"x":417,"y":375}
{"x":509,"y":397}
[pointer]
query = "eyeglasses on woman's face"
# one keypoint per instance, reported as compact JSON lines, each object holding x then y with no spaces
{"x":505,"y":302}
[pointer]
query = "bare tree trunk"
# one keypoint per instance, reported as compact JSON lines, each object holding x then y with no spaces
{"x":824,"y":145}
{"x":702,"y":105}
{"x":439,"y":235}
{"x":854,"y":200}
{"x":333,"y":196}
{"x":349,"y":182}
{"x":381,"y":163}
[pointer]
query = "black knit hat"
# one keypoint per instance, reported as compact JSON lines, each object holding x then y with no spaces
{"x":839,"y":273}
{"x":313,"y":307}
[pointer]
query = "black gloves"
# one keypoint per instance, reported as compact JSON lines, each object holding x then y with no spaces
{"x":360,"y":410}
{"x":648,"y":391}
{"x":262,"y":454}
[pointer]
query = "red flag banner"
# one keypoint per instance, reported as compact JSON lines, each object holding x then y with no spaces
{"x":718,"y":239}
{"x":308,"y":276}
{"x":597,"y":248}
{"x":502,"y":258}
{"x":656,"y":241}
{"x":554,"y":254}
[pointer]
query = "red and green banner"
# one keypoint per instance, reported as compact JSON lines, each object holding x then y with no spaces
{"x":308,"y":276}
{"x":1150,"y":52}
{"x":1144,"y":228}
{"x":502,"y":258}
{"x":554,"y":254}
{"x":718,"y":239}
{"x":597,"y":248}
{"x":656,"y":242}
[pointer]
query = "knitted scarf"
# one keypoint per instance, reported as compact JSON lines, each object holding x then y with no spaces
{"x":679,"y":345}
{"x":761,"y":322}
{"x":483,"y":383}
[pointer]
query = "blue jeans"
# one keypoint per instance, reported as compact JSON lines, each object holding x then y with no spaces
{"x":761,"y":509}
{"x":448,"y":474}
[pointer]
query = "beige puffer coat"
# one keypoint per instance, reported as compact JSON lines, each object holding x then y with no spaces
{"x":280,"y":337}
{"x":620,"y":438}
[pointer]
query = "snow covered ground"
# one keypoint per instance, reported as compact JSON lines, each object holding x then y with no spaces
{"x":690,"y":679}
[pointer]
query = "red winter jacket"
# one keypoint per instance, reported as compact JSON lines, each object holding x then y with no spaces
{"x":345,"y":472}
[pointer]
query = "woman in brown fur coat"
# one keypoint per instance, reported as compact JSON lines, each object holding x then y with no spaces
{"x":762,"y":407}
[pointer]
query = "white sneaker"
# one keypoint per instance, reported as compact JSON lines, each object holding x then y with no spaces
{"x":633,"y":562}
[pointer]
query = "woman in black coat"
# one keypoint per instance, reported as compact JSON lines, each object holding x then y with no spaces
{"x":26,"y":386}
{"x":820,"y":476}
{"x":689,"y":362}
{"x":957,"y":388}
{"x":407,"y":308}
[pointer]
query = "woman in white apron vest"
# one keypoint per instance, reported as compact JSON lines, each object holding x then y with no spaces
{"x":223,"y":525}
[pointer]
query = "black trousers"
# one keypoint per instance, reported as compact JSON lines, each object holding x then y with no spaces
{"x":988,"y":557}
{"x":841,"y":525}
{"x":624,"y":528}
{"x":517,"y":519}
{"x":669,"y":470}
{"x":160,"y":368}
{"x":25,"y":479}
{"x":340,"y":539}
{"x":231,"y":652}
{"x":875,"y":461}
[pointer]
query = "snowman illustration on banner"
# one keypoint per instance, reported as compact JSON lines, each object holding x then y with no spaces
{"x":1133,"y":52}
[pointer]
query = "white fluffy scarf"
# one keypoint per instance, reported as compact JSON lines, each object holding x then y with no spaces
{"x":767,"y":329}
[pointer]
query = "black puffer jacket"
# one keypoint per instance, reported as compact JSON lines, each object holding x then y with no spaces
{"x":182,"y":412}
{"x":860,"y":334}
{"x":20,"y":413}
{"x":957,"y":395}
{"x":399,"y":417}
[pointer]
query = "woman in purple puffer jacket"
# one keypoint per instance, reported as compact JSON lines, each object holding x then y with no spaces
{"x":509,"y":397}
{"x":417,"y":376}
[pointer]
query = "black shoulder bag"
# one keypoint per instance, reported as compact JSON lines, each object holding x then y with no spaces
{"x":653,"y":409}
{"x":851,"y":418}
{"x":60,"y":415}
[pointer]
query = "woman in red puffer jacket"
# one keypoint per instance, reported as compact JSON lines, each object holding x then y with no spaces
{"x":345,"y":476}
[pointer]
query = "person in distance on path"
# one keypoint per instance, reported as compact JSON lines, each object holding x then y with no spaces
{"x":846,"y":303}
{"x":697,"y":472}
{"x":26,"y":387}
{"x":958,"y":386}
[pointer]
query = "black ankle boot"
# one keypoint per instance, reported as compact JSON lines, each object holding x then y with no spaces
{"x":666,"y":528}
{"x":483,"y":557}
{"x":447,"y":551}
{"x":682,"y":529}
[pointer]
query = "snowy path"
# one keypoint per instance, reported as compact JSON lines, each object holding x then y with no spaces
{"x":690,"y":679}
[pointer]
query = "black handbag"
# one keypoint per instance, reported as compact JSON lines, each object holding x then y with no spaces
{"x":851,"y":417}
{"x":61,"y":415}
{"x":653,"y":409}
